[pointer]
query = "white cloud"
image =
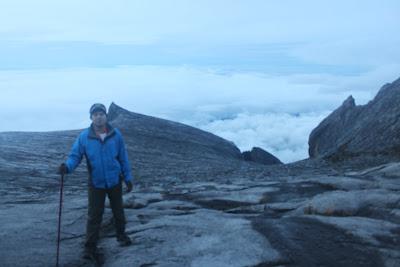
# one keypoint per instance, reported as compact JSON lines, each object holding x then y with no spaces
{"x":284,"y":135}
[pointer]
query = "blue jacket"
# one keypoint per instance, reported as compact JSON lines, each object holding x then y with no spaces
{"x":106,"y":160}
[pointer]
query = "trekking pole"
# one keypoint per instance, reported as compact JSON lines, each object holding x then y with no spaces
{"x":59,"y":217}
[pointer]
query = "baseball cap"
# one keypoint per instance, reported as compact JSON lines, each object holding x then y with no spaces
{"x":97,"y":107}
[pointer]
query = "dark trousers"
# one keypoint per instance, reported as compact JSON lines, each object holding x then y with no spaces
{"x":97,"y":198}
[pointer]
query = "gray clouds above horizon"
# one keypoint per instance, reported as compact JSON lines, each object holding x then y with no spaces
{"x":259,"y":73}
{"x":352,"y":35}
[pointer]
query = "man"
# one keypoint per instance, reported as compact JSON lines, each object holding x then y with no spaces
{"x":107,"y":161}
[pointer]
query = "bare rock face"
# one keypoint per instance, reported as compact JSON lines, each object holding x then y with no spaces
{"x":368,"y":130}
{"x":169,"y":146}
{"x":168,"y":133}
{"x":261,"y":156}
{"x":156,"y":148}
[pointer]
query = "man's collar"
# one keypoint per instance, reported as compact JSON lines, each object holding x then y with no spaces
{"x":109,"y":130}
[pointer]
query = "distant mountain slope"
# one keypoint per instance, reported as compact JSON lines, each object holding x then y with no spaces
{"x":157,"y":148}
{"x":368,"y":130}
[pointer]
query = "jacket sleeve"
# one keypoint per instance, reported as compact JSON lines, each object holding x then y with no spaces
{"x":75,"y":156}
{"x":123,"y":159}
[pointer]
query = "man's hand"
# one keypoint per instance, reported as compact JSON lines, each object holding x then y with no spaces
{"x":129,"y":186}
{"x":62,"y":169}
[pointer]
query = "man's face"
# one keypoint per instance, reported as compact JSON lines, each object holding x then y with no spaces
{"x":99,"y":118}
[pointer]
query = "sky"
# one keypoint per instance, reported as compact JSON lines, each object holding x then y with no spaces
{"x":258,"y":73}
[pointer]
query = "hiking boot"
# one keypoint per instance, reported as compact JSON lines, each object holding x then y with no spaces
{"x":124,"y":240}
{"x":91,"y":252}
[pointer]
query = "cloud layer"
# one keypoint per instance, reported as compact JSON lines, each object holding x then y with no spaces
{"x":276,"y":113}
